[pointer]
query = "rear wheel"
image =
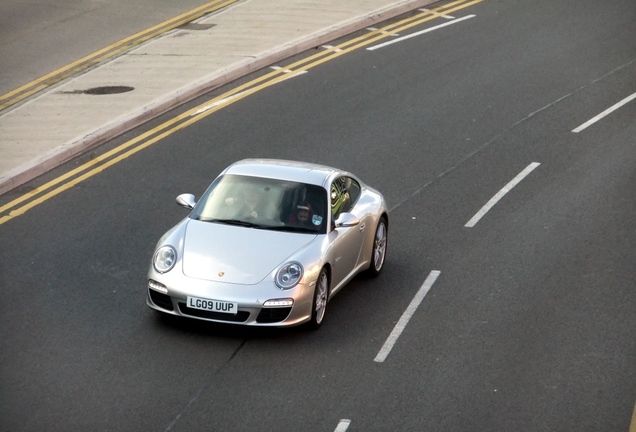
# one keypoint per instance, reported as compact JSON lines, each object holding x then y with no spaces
{"x":321,"y":293}
{"x":378,"y":254}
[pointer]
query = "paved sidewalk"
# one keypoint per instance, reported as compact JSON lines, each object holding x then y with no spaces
{"x":63,"y":121}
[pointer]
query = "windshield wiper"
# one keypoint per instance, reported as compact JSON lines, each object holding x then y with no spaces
{"x":291,"y":229}
{"x":246,"y":224}
{"x":232,"y":222}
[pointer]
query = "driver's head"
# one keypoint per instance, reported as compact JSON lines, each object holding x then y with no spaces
{"x":302,"y":213}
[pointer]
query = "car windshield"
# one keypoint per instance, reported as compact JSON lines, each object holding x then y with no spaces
{"x":264,"y":203}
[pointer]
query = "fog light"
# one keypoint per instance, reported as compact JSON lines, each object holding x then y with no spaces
{"x":154,"y":285}
{"x":279,"y":303}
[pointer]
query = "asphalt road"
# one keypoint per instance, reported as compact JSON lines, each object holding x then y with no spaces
{"x":529,"y":326}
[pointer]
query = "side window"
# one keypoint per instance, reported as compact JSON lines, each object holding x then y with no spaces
{"x":354,"y":191}
{"x":344,"y":193}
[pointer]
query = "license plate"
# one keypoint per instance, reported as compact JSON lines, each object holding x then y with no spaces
{"x":212,"y":305}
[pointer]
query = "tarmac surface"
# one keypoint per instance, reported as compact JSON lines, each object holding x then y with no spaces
{"x":63,"y":120}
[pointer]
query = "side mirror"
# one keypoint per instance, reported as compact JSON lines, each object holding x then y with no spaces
{"x":346,"y":220}
{"x":186,"y":200}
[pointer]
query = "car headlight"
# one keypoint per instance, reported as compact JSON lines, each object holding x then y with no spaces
{"x":289,"y":275}
{"x":164,"y":259}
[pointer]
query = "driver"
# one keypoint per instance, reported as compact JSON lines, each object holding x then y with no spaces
{"x":303,"y":214}
{"x":302,"y":217}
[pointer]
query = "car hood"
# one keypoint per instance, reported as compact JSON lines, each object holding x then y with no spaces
{"x":233,"y":254}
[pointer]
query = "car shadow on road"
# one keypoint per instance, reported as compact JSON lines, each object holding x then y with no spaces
{"x":195,"y":327}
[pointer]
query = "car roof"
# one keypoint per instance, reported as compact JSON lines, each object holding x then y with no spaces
{"x":302,"y":172}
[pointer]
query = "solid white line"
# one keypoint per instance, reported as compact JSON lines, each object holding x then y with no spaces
{"x":343,"y":425}
{"x":471,"y":223}
{"x":419,"y":33}
{"x":406,"y":316}
{"x":604,"y":113}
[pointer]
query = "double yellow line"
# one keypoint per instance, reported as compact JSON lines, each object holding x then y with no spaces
{"x":109,"y":52}
{"x":110,"y":158}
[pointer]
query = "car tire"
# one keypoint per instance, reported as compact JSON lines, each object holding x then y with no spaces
{"x":319,"y":304}
{"x":378,"y":252}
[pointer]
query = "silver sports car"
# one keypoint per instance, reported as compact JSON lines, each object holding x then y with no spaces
{"x":269,"y":243}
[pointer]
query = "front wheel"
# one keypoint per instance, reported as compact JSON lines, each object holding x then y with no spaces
{"x":378,"y":254}
{"x":321,"y":293}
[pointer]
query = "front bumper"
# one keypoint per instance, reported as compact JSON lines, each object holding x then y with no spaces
{"x":250,"y":299}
